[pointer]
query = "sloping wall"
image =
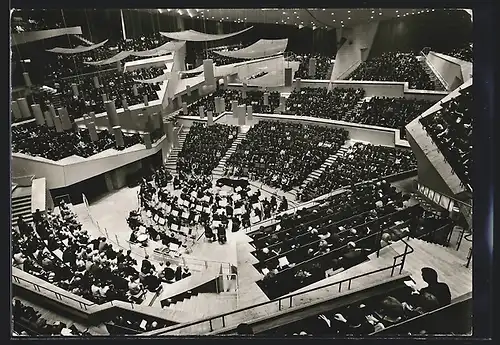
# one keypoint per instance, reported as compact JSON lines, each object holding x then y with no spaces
{"x":355,"y":50}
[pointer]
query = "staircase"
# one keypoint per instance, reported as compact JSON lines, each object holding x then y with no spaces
{"x":356,"y":108}
{"x":220,"y":168}
{"x":437,"y":83}
{"x":207,"y":304}
{"x":318,"y":172}
{"x":171,"y":163}
{"x":448,"y":263}
{"x":83,"y":39}
{"x":21,"y":206}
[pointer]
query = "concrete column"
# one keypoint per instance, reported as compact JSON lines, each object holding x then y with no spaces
{"x":109,"y":123}
{"x":241,"y":110}
{"x":179,"y":102}
{"x":48,"y":119}
{"x":58,"y":124}
{"x":147,"y":140}
{"x":97,"y":85}
{"x":234,"y":106}
{"x":124,"y":104}
{"x":244,"y":91}
{"x":222,"y":104}
{"x":65,"y":120}
{"x":298,"y":84}
{"x":210,"y":118}
{"x":112,"y":114}
{"x":53,"y":113}
{"x":141,"y":120}
{"x":117,"y":131}
{"x":37,"y":111}
{"x":92,"y":132}
{"x":217,"y":105}
{"x":92,"y":116}
{"x":188,"y":90}
{"x":208,"y":72}
{"x":249,"y":113}
{"x":288,"y":77}
{"x":119,"y":66}
{"x":104,"y":97}
{"x":266,"y":98}
{"x":201,"y":111}
{"x":312,"y":67}
{"x":184,"y":108}
{"x":146,"y":103}
{"x":180,"y":23}
{"x":282,"y":103}
{"x":134,"y":89}
{"x":16,"y":110}
{"x":74,"y":87}
{"x":25,"y":109}
{"x":27,"y":79}
{"x":226,"y":81}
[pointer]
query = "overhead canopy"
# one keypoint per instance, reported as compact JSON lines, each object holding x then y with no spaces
{"x":196,"y":36}
{"x":158,"y":79}
{"x":194,"y":70}
{"x":79,"y":49}
{"x":261,"y":48}
{"x":118,"y":57}
{"x":161,"y":50}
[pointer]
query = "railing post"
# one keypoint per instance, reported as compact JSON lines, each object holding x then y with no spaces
{"x":291,"y":301}
{"x":393,"y":266}
{"x":223,"y":321}
{"x":211,"y":327}
{"x":279,"y":304}
{"x":340,"y":286}
{"x":349,"y":286}
{"x":469,"y":257}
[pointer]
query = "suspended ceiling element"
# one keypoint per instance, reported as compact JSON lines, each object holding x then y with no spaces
{"x":192,"y":35}
{"x":325,"y":18}
{"x":261,"y":48}
{"x":161,"y":50}
{"x":79,"y":49}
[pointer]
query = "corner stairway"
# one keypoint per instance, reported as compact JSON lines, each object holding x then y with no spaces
{"x":318,"y":172}
{"x":437,"y":83}
{"x":21,"y":205}
{"x":171,"y":163}
{"x":220,"y":168}
{"x":356,"y":108}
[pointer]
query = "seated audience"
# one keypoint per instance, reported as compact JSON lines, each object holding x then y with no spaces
{"x":324,"y":66}
{"x":204,"y":148}
{"x":394,"y":66}
{"x":282,"y":154}
{"x":360,"y":163}
{"x":319,"y":102}
{"x":389,"y":112}
{"x":451,"y":129}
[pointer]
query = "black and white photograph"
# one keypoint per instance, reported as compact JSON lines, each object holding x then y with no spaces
{"x":250,"y":172}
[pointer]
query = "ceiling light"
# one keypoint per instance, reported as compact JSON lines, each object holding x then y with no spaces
{"x":284,"y":12}
{"x":380,"y":14}
{"x":294,"y":12}
{"x":398,"y":15}
{"x":208,"y":10}
{"x":334,"y":20}
{"x":348,"y":17}
{"x":373,"y":11}
{"x":371,"y":17}
{"x":277,"y":23}
{"x":348,"y":11}
{"x":287,"y":17}
{"x":324,"y":9}
{"x":397,"y":11}
{"x":333,"y":13}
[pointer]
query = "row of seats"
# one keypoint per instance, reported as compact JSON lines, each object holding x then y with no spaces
{"x":42,"y":141}
{"x":360,"y":163}
{"x":375,"y":313}
{"x":27,"y":321}
{"x":319,"y":102}
{"x":324,"y":66}
{"x":451,"y":129}
{"x":115,"y":85}
{"x":389,"y":112}
{"x":394,"y":66}
{"x":338,"y":235}
{"x":204,"y":148}
{"x":253,"y":98}
{"x":282,"y":154}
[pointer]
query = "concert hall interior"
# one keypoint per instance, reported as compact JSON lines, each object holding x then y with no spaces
{"x":268,"y":172}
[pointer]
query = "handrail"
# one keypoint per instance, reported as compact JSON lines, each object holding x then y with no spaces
{"x":463,"y":203}
{"x":408,"y":250}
